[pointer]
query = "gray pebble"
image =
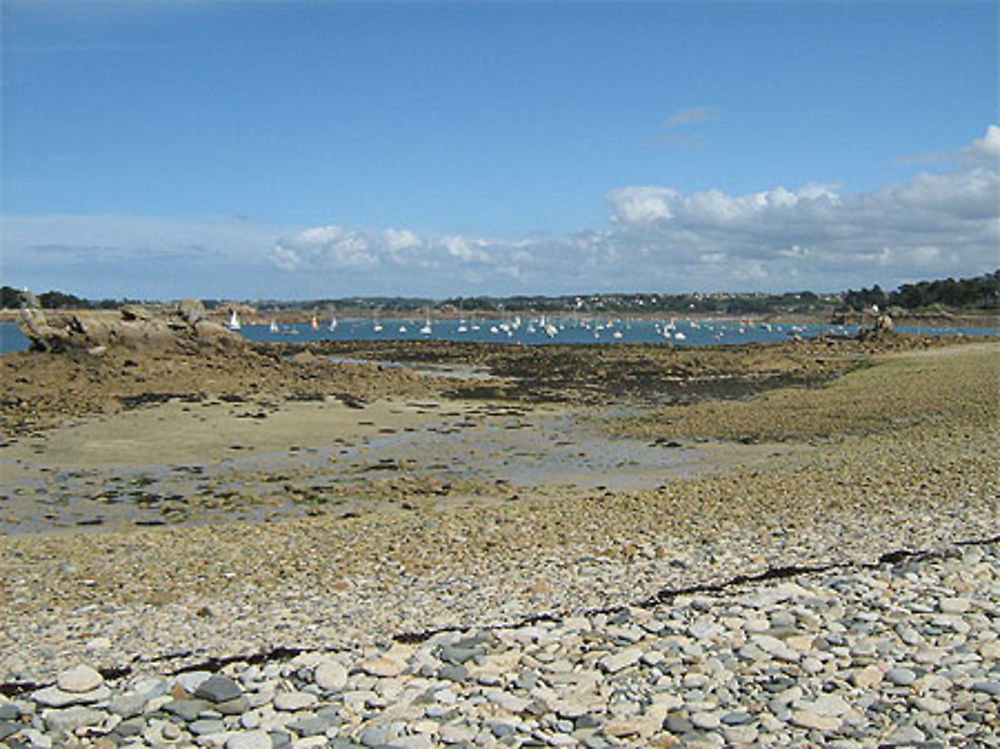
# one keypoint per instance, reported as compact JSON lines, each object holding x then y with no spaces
{"x":206,"y":725}
{"x":987,"y":687}
{"x":187,"y":710}
{"x":249,"y":740}
{"x":901,"y":677}
{"x":218,"y":688}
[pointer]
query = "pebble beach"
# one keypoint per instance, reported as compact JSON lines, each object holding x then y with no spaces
{"x":902,"y":653}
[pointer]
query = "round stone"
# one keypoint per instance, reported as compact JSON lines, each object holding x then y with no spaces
{"x":901,"y":677}
{"x":330,"y":675}
{"x":170,"y":731}
{"x":79,"y":679}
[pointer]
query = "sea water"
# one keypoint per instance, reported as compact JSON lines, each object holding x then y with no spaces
{"x":532,"y":331}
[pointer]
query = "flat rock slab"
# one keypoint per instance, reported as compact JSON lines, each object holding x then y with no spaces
{"x":72,"y":718}
{"x":55,"y":697}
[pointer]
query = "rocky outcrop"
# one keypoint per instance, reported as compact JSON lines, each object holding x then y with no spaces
{"x":132,"y":326}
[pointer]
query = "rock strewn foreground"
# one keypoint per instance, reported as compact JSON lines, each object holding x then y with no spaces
{"x":189,"y":593}
{"x":898,"y":654}
{"x":902,"y":654}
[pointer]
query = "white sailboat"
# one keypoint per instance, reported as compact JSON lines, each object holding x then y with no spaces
{"x":273,"y":327}
{"x":333,"y":323}
{"x":234,"y":321}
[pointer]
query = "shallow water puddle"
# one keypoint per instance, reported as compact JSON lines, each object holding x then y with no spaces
{"x":163,"y":463}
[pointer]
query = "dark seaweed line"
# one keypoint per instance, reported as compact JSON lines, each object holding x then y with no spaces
{"x":17,"y":688}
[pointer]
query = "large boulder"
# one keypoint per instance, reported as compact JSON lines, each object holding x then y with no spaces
{"x":191,"y":311}
{"x":132,"y":312}
{"x":43,"y":334}
{"x":133,"y":326}
{"x":884,"y":322}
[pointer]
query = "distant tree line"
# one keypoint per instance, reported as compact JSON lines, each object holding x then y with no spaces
{"x":982,"y":292}
{"x":979,"y":292}
{"x":11,"y":298}
{"x":373,"y":303}
{"x":733,"y":304}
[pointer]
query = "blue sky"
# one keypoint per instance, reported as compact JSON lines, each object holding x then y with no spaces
{"x":301,"y":149}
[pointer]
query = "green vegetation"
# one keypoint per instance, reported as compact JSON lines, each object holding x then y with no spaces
{"x":11,"y":298}
{"x":981,"y":292}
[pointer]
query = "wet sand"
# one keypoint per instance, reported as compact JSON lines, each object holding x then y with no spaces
{"x":187,"y":463}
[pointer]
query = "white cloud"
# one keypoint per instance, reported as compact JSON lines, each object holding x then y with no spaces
{"x":679,"y":128}
{"x":400,"y":240}
{"x":817,"y":235}
{"x":691,"y":116}
{"x":642,"y":205}
{"x":989,"y":145}
{"x":286,"y":258}
{"x":466,"y":250}
{"x":391,"y":251}
{"x":658,"y":238}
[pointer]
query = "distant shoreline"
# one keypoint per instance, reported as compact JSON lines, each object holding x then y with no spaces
{"x":221,"y":314}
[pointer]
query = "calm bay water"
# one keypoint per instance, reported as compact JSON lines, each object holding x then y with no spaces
{"x":11,"y":338}
{"x":544,"y":331}
{"x":539,"y":331}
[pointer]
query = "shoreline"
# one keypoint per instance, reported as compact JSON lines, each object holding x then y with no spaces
{"x":929,"y":319}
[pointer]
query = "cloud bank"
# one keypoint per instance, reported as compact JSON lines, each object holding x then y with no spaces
{"x":656,"y":238}
{"x":816,"y":236}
